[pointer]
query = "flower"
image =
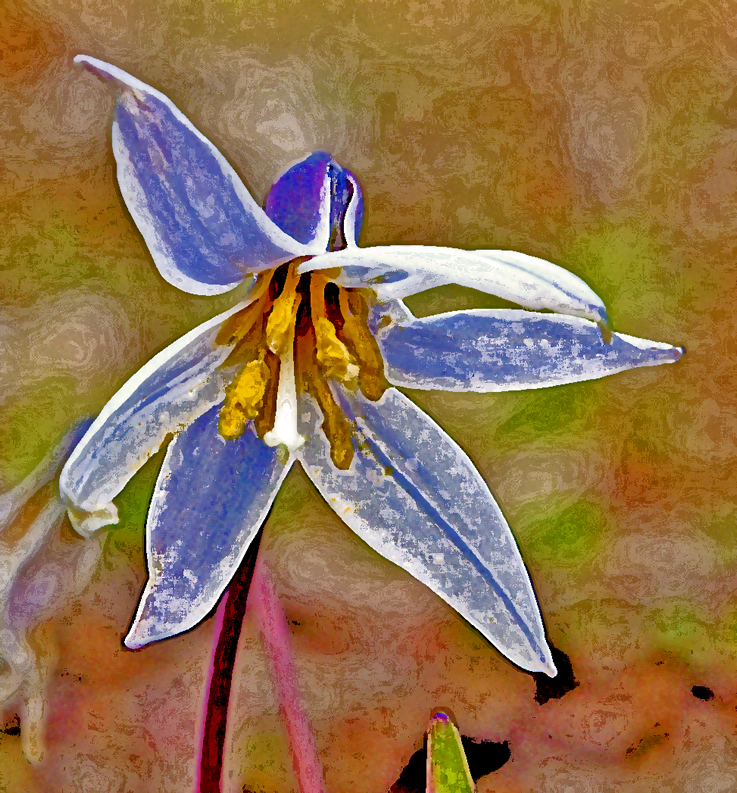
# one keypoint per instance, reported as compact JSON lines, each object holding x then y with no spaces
{"x":303,"y":370}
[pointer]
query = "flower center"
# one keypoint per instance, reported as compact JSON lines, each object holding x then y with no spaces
{"x":298,"y":334}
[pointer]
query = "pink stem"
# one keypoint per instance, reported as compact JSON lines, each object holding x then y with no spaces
{"x":277,"y":640}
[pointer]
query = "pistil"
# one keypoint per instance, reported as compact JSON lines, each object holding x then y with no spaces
{"x":284,"y":432}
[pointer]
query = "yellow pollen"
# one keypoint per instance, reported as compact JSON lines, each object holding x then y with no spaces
{"x":244,"y":398}
{"x":371,"y":380}
{"x":335,"y":425}
{"x":332,"y":354}
{"x":279,"y":328}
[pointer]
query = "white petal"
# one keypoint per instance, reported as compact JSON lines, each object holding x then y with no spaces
{"x":414,"y":496}
{"x":506,"y":350}
{"x":395,"y":271}
{"x":349,"y":221}
{"x":211,"y":499}
{"x":168,"y":393}
{"x":202,"y":226}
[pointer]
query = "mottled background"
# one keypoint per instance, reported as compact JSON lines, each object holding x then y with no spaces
{"x":600,"y":135}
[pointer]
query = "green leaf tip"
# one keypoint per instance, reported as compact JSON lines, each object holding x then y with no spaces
{"x":447,"y":767}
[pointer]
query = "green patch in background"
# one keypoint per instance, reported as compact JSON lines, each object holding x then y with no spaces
{"x":570,"y":537}
{"x":263,"y":756}
{"x":33,"y":423}
{"x":560,"y":409}
{"x":128,"y":535}
{"x":679,"y":629}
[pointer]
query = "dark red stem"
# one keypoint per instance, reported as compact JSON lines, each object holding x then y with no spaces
{"x":228,"y":624}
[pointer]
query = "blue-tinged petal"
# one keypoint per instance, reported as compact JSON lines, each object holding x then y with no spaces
{"x":203,"y":228}
{"x":414,"y":496}
{"x":314,"y":200}
{"x":507,"y":350}
{"x":211,"y":498}
{"x":169,"y":392}
{"x":396,"y":271}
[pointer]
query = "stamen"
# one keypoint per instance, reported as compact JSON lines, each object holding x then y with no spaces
{"x":371,"y":379}
{"x":332,"y":355}
{"x":280,"y":327}
{"x":244,"y":398}
{"x":239,"y":325}
{"x":284,"y":431}
{"x":265,"y":420}
{"x":335,"y":425}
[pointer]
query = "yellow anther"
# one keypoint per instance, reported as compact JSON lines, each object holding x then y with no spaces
{"x":244,"y":399}
{"x":332,"y":354}
{"x":335,"y":425}
{"x":280,"y":327}
{"x":372,"y":380}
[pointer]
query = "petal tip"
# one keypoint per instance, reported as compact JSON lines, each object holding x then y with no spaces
{"x":109,"y":73}
{"x":132,"y":642}
{"x":671,"y":354}
{"x":141,"y":633}
{"x":87,"y":523}
{"x":94,"y":65}
{"x":549,"y":668}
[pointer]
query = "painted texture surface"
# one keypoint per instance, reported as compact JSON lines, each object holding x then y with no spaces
{"x":602,"y":136}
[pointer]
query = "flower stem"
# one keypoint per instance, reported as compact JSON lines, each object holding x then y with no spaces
{"x":228,"y":624}
{"x":276,"y":636}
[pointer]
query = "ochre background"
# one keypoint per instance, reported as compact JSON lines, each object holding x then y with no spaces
{"x":600,"y":135}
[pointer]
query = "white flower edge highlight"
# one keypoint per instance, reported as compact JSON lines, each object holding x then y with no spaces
{"x":101,"y":465}
{"x":396,"y":271}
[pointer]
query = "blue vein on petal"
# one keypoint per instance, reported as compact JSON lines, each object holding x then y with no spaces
{"x":433,"y":512}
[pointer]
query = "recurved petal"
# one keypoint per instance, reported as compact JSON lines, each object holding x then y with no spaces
{"x":165,"y":395}
{"x":396,"y":271}
{"x":316,"y":201}
{"x":203,"y":228}
{"x":508,"y":350}
{"x":211,"y":498}
{"x":414,"y":496}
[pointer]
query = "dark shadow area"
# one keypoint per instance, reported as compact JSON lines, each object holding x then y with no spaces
{"x":483,"y":758}
{"x":11,"y":725}
{"x":703,"y":692}
{"x":555,"y":687}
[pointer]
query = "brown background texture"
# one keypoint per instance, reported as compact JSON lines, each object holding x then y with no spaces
{"x":599,"y":135}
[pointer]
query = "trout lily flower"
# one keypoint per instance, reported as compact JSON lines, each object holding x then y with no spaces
{"x":304,"y":370}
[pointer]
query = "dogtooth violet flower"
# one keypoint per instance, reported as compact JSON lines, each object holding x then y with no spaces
{"x":304,"y":370}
